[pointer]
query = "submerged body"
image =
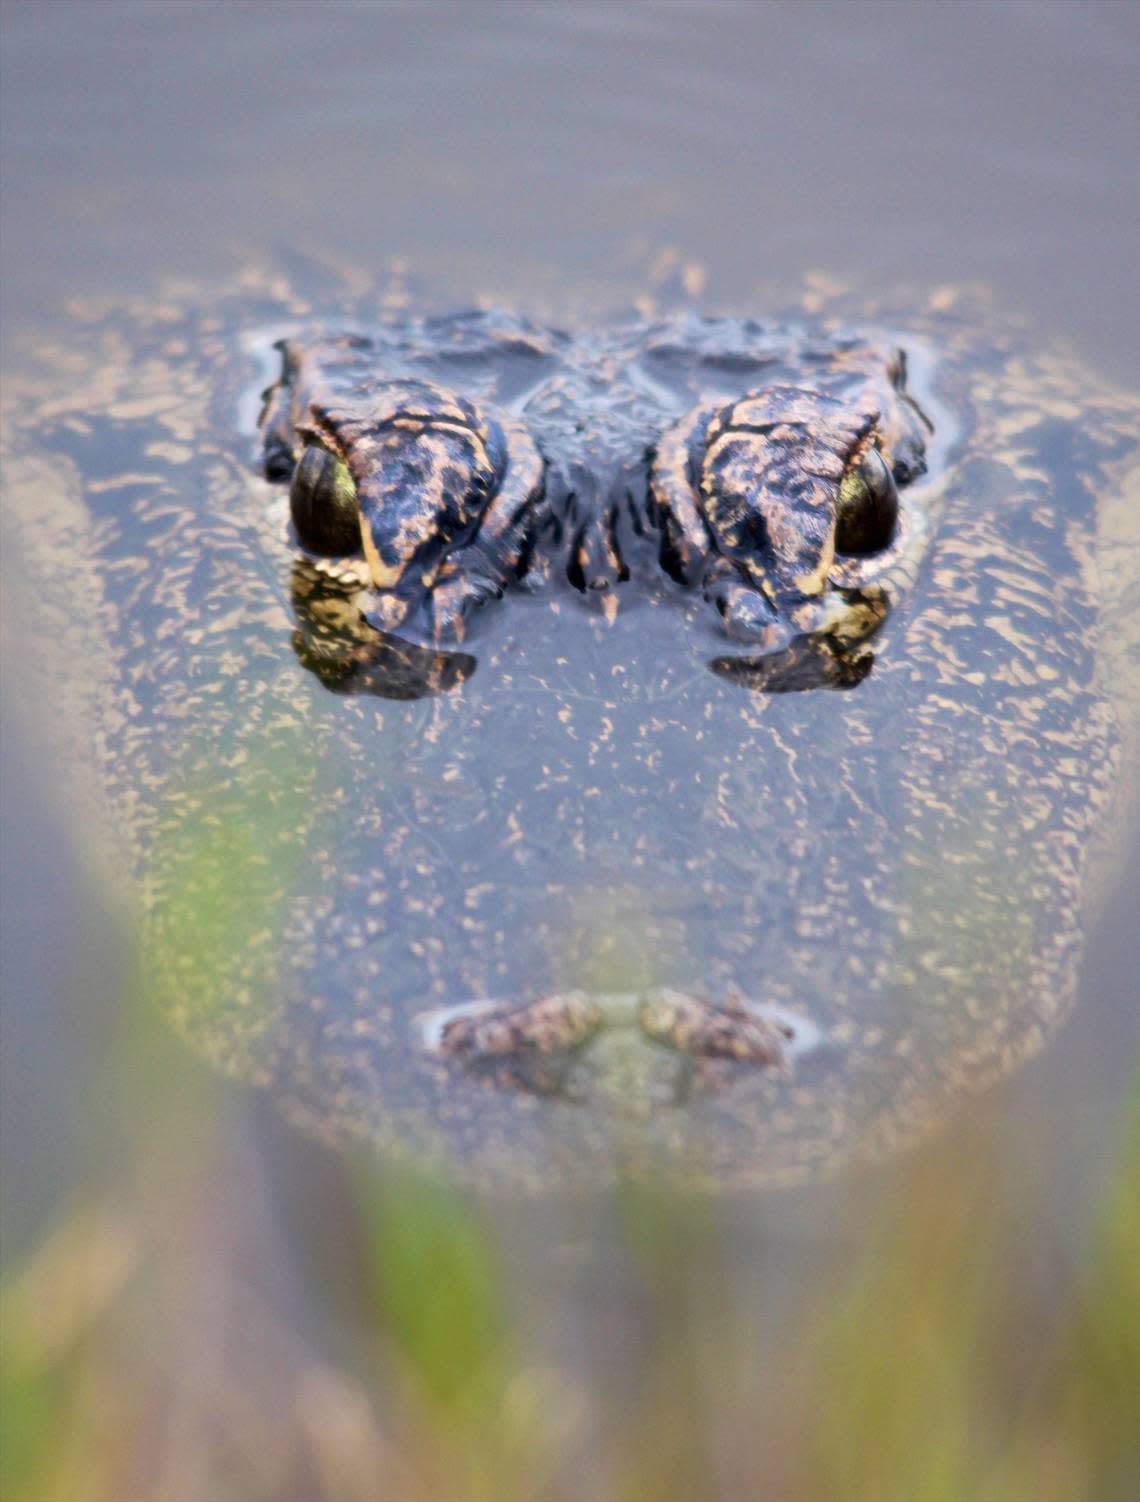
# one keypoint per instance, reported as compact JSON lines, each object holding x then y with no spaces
{"x":557,"y":898}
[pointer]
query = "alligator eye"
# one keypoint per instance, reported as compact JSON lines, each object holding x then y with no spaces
{"x":868,"y":507}
{"x":322,"y":501}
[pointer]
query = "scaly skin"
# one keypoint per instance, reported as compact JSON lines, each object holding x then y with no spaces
{"x":566,"y":902}
{"x":451,"y":494}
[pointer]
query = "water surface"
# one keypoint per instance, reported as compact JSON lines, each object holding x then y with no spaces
{"x":539,"y":150}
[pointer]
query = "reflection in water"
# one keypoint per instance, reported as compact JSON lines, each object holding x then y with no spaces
{"x":335,"y":641}
{"x":349,"y":655}
{"x":811,"y":662}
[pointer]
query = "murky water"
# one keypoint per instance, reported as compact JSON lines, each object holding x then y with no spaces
{"x":532,"y":152}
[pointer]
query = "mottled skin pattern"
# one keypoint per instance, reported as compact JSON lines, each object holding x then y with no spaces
{"x":455,"y":906}
{"x":755,"y":500}
{"x":748,"y":499}
{"x":448,"y":493}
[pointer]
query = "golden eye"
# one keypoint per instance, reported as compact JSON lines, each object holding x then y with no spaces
{"x":322,"y":502}
{"x":868,"y":508}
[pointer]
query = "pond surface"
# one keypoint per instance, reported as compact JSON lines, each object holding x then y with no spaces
{"x":544,"y":154}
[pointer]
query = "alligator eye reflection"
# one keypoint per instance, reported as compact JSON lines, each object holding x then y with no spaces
{"x":868,"y":508}
{"x":810,"y":663}
{"x":322,"y":502}
{"x":336,"y":643}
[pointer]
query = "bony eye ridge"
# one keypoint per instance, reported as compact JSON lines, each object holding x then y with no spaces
{"x":779,"y":502}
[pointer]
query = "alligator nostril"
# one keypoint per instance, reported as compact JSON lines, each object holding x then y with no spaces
{"x":629,"y":1053}
{"x":732,"y":1029}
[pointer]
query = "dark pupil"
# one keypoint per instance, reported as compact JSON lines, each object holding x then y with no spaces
{"x":868,"y":507}
{"x":322,"y":501}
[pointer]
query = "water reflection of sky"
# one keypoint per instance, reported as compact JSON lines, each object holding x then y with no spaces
{"x":883,"y":141}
